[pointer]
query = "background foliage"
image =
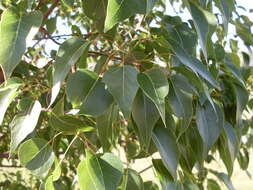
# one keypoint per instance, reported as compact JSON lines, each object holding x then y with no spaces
{"x":129,"y":80}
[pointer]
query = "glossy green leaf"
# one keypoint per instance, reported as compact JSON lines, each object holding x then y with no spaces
{"x":24,"y":124}
{"x":84,"y":90}
{"x":167,"y":147}
{"x":193,"y":63}
{"x":226,"y":7}
{"x":96,"y":10}
{"x":100,"y":173}
{"x":49,"y":184}
{"x":16,"y":31}
{"x":68,"y":54}
{"x":37,"y":156}
{"x":122,"y":84}
{"x":134,"y":181}
{"x":210,"y":123}
{"x":155,"y":86}
{"x":119,"y":10}
{"x":161,"y":171}
{"x":205,"y":24}
{"x":229,"y":147}
{"x":107,"y":127}
{"x":242,"y":96}
{"x":145,"y":116}
{"x":180,"y":101}
{"x":7,"y":94}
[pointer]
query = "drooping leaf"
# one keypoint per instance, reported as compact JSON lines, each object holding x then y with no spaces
{"x":86,"y":91}
{"x":242,"y":96}
{"x":37,"y":156}
{"x":167,"y":147}
{"x":161,"y":171}
{"x":180,"y":100}
{"x":210,"y":123}
{"x":193,"y":63}
{"x":205,"y":24}
{"x":100,"y":173}
{"x":226,"y":7}
{"x":145,"y":116}
{"x":229,"y":147}
{"x":225,"y":179}
{"x":107,"y":127}
{"x":122,"y":84}
{"x":68,"y":54}
{"x":119,"y":10}
{"x":24,"y":124}
{"x":16,"y":31}
{"x":7,"y":94}
{"x":96,"y":10}
{"x":155,"y":86}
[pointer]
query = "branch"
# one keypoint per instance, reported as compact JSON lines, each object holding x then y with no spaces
{"x":50,"y":10}
{"x":7,"y":155}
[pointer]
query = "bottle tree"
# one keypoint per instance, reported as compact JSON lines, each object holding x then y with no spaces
{"x":128,"y":80}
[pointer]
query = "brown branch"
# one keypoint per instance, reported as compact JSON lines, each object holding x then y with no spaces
{"x":95,"y":54}
{"x":47,"y":35}
{"x":7,"y":155}
{"x":50,"y":10}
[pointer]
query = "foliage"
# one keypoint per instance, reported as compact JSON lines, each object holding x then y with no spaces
{"x":130,"y":77}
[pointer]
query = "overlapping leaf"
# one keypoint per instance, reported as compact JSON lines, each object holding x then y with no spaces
{"x":122,"y":84}
{"x":155,"y":86}
{"x":68,"y":54}
{"x":15,"y":31}
{"x":37,"y":156}
{"x":100,"y":173}
{"x":119,"y":10}
{"x":7,"y":95}
{"x":24,"y":124}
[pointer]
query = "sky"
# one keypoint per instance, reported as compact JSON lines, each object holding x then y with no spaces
{"x":248,"y":4}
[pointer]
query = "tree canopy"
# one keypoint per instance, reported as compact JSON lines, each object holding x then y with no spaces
{"x":90,"y":86}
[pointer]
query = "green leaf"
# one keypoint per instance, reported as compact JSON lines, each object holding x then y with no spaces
{"x":155,"y":86}
{"x":205,"y":24}
{"x":212,"y":185}
{"x":242,"y":96}
{"x":122,"y":84}
{"x":100,"y":173}
{"x":37,"y":156}
{"x":161,"y":171}
{"x":225,"y":179}
{"x":96,"y":10}
{"x":180,"y":101}
{"x":150,"y":185}
{"x":145,"y":116}
{"x":7,"y":94}
{"x":68,"y":3}
{"x":89,"y":93}
{"x":134,"y":181}
{"x":229,"y":147}
{"x":119,"y":10}
{"x":24,"y":124}
{"x":68,"y":54}
{"x":226,"y":7}
{"x":167,"y":147}
{"x":192,"y":62}
{"x":173,"y":185}
{"x":107,"y":127}
{"x":210,"y":123}
{"x":68,"y":124}
{"x":16,"y":31}
{"x":49,"y":184}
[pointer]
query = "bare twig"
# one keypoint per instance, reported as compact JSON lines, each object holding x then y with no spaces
{"x":50,"y":10}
